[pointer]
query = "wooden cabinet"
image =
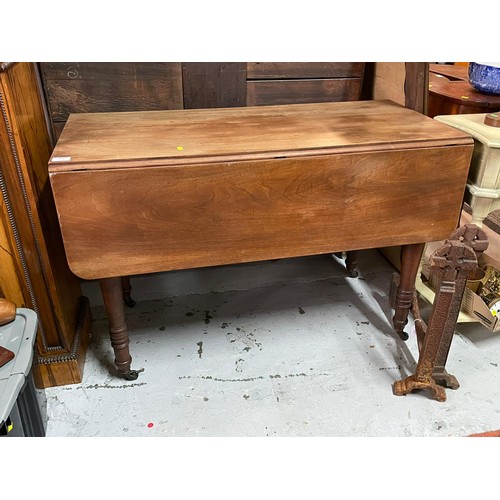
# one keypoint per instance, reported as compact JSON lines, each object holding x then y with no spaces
{"x":34,"y":272}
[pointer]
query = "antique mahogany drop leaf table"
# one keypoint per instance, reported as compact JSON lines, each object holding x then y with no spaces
{"x":144,"y":192}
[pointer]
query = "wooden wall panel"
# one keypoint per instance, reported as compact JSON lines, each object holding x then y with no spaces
{"x":94,"y":87}
{"x":417,"y":86}
{"x":268,"y":92}
{"x":389,"y":81}
{"x":214,"y":85}
{"x":293,"y":83}
{"x":401,"y":82}
{"x":75,"y":87}
{"x":283,"y":70}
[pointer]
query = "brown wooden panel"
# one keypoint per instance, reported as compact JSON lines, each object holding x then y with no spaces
{"x":75,"y":87}
{"x":282,"y":70}
{"x":211,"y":214}
{"x":109,"y":70}
{"x":387,"y":80}
{"x":213,"y":85}
{"x":266,"y":92}
{"x":416,"y":86}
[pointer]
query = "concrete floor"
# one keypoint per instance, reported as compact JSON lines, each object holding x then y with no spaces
{"x":290,"y":347}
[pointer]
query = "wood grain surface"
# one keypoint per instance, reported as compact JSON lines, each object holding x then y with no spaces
{"x":451,"y":71}
{"x":175,"y":137}
{"x":268,"y":92}
{"x":280,"y":70}
{"x":83,"y":87}
{"x":213,"y":85}
{"x":448,"y":97}
{"x":39,"y":237}
{"x":154,"y":191}
{"x":140,"y":220}
{"x":34,"y":271}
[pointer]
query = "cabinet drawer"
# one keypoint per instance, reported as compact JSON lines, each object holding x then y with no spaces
{"x":283,"y":70}
{"x":268,"y":92}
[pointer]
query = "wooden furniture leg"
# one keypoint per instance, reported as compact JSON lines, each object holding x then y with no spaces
{"x":351,"y":261}
{"x":126,"y":290}
{"x":112,"y":295}
{"x":410,"y":261}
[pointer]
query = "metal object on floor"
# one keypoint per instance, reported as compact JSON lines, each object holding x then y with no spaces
{"x":453,"y":262}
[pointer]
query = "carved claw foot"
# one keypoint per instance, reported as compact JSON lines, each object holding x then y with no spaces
{"x":443,"y":378}
{"x":411,"y":383}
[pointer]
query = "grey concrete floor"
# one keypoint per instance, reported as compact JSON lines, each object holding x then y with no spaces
{"x":291,"y":347}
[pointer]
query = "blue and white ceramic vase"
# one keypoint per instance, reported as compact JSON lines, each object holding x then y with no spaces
{"x":485,"y":76}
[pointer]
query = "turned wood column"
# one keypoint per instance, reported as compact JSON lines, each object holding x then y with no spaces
{"x":112,"y":294}
{"x":410,"y":261}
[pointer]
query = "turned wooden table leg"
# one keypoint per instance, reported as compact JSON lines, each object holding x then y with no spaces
{"x":112,"y":294}
{"x":410,"y":261}
{"x":126,"y":290}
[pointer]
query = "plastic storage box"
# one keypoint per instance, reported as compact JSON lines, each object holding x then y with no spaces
{"x":20,"y":412}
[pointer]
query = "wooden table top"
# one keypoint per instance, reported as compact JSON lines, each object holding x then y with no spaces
{"x":114,"y":140}
{"x":461,"y":92}
{"x":451,"y":71}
